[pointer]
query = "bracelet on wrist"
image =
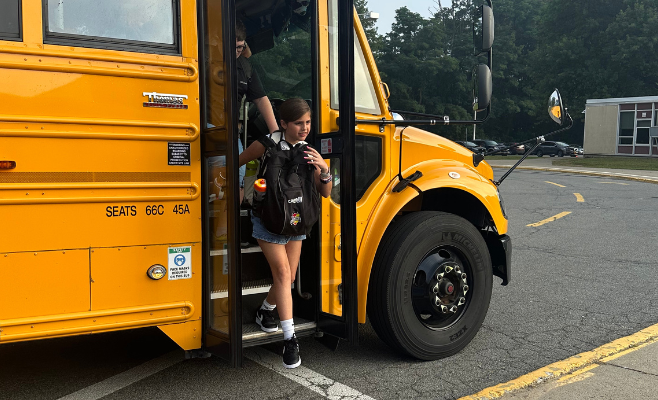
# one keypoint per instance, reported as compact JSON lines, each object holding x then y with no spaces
{"x":325,"y":180}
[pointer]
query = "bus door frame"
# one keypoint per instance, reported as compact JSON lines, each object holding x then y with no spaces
{"x":346,"y":326}
{"x":228,"y":347}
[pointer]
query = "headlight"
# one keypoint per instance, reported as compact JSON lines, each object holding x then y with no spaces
{"x":502,"y":203}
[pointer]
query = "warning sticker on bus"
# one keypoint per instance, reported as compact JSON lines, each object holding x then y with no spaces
{"x":180,"y":263}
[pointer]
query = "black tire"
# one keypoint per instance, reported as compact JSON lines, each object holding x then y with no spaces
{"x":540,"y":153}
{"x":420,"y":242}
{"x":560,"y":153}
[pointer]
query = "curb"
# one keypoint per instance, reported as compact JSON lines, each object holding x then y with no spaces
{"x":640,"y":178}
{"x":569,"y":365}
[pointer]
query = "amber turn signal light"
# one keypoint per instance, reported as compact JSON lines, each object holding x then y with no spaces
{"x":156,"y":272}
{"x":7,"y":164}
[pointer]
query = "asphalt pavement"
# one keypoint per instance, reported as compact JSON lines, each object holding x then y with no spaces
{"x":624,"y":368}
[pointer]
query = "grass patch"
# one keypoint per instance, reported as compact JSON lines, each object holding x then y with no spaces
{"x":638,"y":163}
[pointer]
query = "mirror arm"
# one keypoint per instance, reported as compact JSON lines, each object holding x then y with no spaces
{"x":440,"y":120}
{"x":539,"y":140}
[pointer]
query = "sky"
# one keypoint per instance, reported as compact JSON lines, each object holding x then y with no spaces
{"x":386,"y":10}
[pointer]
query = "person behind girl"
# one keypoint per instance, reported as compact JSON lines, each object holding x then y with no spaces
{"x":283,"y":252}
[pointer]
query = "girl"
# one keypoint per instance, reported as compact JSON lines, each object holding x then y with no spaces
{"x":283,"y":252}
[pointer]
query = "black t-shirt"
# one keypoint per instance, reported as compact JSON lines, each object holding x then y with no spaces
{"x":248,"y":86}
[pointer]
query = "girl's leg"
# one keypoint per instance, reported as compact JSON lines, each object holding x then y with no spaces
{"x":294,"y":251}
{"x":280,"y":291}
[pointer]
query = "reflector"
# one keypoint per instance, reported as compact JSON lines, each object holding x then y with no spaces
{"x":7,"y":164}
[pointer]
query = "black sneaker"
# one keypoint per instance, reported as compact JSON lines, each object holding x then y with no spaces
{"x":265,"y":318}
{"x":291,"y":358}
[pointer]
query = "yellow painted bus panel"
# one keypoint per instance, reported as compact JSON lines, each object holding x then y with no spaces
{"x":43,"y":283}
{"x":21,"y":329}
{"x":119,"y":277}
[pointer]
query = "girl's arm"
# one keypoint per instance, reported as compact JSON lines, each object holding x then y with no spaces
{"x":254,"y":151}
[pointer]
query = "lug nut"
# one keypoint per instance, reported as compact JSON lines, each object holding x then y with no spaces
{"x":464,"y":278}
{"x":453,"y":309}
{"x":465,"y":289}
{"x":439,"y":276}
{"x":448,"y":269}
{"x":444,"y":309}
{"x":437,"y":301}
{"x":462,"y":300}
{"x":435,"y":289}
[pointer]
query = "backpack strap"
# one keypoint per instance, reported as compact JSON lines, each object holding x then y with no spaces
{"x":270,"y":141}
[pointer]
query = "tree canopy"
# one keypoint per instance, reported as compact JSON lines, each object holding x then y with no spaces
{"x":587,"y":49}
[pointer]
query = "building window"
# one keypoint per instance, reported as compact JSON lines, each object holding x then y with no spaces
{"x":147,"y":26}
{"x":642,"y":134}
{"x":626,"y":127}
{"x":635,"y":121}
{"x":10,"y":20}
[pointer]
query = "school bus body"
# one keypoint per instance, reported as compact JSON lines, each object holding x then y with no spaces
{"x":95,"y":199}
{"x":90,"y":205}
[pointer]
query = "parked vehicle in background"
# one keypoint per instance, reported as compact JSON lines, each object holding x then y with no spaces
{"x":516,"y":149}
{"x":491,"y":146}
{"x":553,"y":149}
{"x":578,"y":149}
{"x":471,"y":146}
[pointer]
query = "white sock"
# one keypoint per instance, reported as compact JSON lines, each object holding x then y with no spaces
{"x":288,"y":327}
{"x":267,"y":306}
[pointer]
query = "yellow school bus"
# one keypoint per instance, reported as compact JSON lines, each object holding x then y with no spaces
{"x":118,"y":176}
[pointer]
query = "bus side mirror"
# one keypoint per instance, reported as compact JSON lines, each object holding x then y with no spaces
{"x":556,"y":108}
{"x":483,"y":31}
{"x":482,"y":88}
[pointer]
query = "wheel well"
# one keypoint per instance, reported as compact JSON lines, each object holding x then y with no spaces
{"x":467,"y":206}
{"x":458,"y":202}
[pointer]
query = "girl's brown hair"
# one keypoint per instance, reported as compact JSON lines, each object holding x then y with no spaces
{"x":293,"y":109}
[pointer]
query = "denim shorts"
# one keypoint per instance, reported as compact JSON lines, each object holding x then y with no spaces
{"x":263,"y":234}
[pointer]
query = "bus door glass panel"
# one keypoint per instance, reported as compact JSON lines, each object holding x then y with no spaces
{"x":369,"y":151}
{"x":10,"y":20}
{"x":218,"y":185}
{"x":280,"y":60}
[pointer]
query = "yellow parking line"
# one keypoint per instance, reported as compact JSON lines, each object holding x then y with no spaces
{"x":572,"y":364}
{"x":553,"y":218}
{"x":579,"y":198}
{"x":556,"y":184}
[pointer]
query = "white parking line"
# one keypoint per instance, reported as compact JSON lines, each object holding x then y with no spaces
{"x":310,"y":379}
{"x":126,"y":378}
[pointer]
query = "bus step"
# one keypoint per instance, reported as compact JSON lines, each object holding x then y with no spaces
{"x":254,"y":287}
{"x":250,"y":248}
{"x":252,"y":335}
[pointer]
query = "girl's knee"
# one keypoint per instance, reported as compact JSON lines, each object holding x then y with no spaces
{"x":281,"y":274}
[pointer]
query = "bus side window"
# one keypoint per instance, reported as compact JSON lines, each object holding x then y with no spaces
{"x":10,"y":20}
{"x":150,"y":26}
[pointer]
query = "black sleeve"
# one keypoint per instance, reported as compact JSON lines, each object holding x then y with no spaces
{"x":255,"y":89}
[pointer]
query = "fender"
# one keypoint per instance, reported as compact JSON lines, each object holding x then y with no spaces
{"x":436,"y":174}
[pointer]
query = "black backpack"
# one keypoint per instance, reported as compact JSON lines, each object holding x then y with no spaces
{"x":291,"y":205}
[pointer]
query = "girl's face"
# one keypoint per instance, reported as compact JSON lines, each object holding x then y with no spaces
{"x":297,"y":130}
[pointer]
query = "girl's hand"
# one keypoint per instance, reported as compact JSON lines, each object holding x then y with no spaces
{"x":314,"y":158}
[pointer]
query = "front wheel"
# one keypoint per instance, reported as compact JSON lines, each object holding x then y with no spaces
{"x":430,"y":285}
{"x":540,"y":153}
{"x":560,"y":153}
